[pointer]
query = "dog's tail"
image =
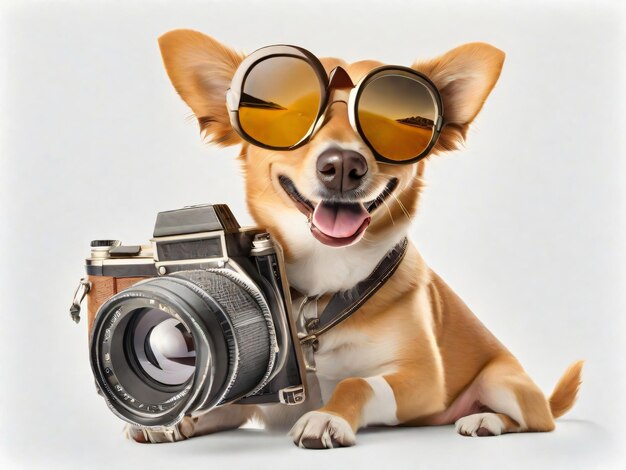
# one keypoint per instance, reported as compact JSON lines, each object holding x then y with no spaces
{"x":565,"y":393}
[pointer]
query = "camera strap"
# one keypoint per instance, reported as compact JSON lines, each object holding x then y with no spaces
{"x":343,"y":304}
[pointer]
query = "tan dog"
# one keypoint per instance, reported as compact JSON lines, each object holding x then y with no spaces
{"x":414,"y":354}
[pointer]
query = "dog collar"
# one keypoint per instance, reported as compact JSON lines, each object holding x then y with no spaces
{"x":343,"y":304}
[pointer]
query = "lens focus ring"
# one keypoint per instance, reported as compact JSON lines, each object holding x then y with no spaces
{"x":251,"y":324}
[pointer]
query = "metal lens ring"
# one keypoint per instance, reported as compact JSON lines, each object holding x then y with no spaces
{"x":178,"y":344}
{"x":136,"y":345}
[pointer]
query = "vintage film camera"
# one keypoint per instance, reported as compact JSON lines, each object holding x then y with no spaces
{"x":199,"y":318}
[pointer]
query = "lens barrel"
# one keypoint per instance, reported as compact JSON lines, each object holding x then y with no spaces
{"x":174,"y":345}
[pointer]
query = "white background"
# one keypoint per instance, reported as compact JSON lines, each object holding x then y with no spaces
{"x":526,"y":223}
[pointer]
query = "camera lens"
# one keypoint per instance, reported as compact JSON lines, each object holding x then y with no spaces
{"x":172,"y":345}
{"x":163,"y":347}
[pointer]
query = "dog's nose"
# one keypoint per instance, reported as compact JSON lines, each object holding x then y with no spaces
{"x":341,"y":170}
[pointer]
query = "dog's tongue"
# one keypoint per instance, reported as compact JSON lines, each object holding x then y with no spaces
{"x":339,"y":220}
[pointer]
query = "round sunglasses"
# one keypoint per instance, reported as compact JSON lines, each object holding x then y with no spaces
{"x":279,"y":97}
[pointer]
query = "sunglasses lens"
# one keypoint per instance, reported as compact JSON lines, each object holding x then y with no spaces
{"x":397,"y":115}
{"x":280,"y":101}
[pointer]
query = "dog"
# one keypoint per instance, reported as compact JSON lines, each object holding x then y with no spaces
{"x":413,"y":354}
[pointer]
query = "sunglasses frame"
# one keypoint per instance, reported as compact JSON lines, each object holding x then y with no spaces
{"x":337,"y":79}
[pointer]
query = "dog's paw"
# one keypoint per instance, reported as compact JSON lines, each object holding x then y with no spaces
{"x":479,"y":425}
{"x":180,"y":432}
{"x":319,"y":430}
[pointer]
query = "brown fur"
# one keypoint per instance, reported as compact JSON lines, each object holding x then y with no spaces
{"x":444,"y":364}
{"x":564,"y":395}
{"x":353,"y":394}
{"x":190,"y":59}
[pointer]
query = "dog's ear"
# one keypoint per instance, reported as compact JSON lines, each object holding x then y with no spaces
{"x":201,"y":70}
{"x":464,"y":76}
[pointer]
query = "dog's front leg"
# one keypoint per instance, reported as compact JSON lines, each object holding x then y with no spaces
{"x":359,"y":402}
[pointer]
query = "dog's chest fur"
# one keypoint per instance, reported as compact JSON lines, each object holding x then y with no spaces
{"x":344,"y":353}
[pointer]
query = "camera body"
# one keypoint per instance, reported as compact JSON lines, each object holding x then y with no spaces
{"x":221,"y":289}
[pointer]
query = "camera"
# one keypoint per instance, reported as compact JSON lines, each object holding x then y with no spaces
{"x":198,"y":318}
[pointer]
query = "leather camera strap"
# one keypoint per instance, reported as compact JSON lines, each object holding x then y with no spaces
{"x":345,"y":303}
